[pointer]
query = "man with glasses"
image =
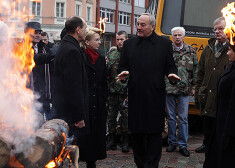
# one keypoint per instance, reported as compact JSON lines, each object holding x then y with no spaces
{"x":210,"y":67}
{"x":41,"y":81}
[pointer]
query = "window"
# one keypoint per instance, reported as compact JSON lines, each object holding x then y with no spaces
{"x":124,"y":18}
{"x":125,"y":1}
{"x":78,"y":9}
{"x":136,"y":19}
{"x":36,"y":8}
{"x":60,"y":9}
{"x":140,"y":3}
{"x":88,"y":14}
{"x":15,"y":6}
{"x":107,"y":13}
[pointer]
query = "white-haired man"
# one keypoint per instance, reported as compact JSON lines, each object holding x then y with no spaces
{"x":147,"y":58}
{"x":186,"y":61}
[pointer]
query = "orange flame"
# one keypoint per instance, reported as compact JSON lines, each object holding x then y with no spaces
{"x":58,"y":160}
{"x":17,"y":58}
{"x":102,"y":24}
{"x":24,"y":53}
{"x":14,"y":163}
{"x":229,"y":15}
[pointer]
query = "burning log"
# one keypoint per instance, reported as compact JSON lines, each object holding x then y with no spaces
{"x":58,"y":125}
{"x":4,"y":153}
{"x":49,"y":141}
{"x":8,"y":141}
{"x":73,"y":153}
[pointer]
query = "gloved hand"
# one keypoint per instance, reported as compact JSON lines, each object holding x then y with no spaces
{"x":49,"y":58}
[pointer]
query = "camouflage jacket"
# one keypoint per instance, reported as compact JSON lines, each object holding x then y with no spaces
{"x":113,"y":57}
{"x":186,"y":61}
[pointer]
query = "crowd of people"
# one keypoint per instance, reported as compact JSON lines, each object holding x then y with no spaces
{"x":142,"y":79}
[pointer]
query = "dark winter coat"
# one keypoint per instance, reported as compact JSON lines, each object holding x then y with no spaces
{"x":71,"y":84}
{"x":42,"y":80}
{"x":148,"y":60}
{"x":209,"y":71}
{"x":93,"y":146}
{"x":222,"y":150}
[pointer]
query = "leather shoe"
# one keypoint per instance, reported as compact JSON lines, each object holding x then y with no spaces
{"x":171,"y":148}
{"x":201,"y":149}
{"x":184,"y":152}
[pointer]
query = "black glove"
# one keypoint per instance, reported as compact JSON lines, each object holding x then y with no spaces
{"x":49,"y":58}
{"x":43,"y":58}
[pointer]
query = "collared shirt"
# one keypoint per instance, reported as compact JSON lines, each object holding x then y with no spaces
{"x":36,"y":48}
{"x":179,"y":48}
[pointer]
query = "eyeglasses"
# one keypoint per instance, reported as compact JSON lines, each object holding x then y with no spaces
{"x":37,"y":32}
{"x":97,"y":40}
{"x":219,"y":29}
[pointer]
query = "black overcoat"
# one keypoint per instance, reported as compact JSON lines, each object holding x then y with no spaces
{"x":93,"y":146}
{"x":148,"y":60}
{"x":40,"y":72}
{"x":71,"y":84}
{"x":222,"y":151}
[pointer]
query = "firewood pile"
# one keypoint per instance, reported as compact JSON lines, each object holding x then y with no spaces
{"x":48,"y":149}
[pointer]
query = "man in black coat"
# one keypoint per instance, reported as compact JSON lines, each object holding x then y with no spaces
{"x":41,"y":78}
{"x":147,"y":58}
{"x":70,"y":78}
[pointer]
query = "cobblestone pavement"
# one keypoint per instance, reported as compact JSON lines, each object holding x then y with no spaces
{"x":117,"y":159}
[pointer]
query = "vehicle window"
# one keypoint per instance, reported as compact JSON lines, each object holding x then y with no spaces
{"x":171,"y":15}
{"x":196,"y":16}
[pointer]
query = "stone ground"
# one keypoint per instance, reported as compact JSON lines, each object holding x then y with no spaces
{"x":117,"y":159}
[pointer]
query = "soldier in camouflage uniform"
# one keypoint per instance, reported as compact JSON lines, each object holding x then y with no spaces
{"x":186,"y":61}
{"x":117,"y":96}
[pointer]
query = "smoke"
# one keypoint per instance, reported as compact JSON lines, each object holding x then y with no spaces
{"x":19,"y":118}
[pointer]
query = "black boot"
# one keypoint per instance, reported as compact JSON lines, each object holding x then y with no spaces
{"x":112,"y":144}
{"x":201,"y":149}
{"x":125,"y":146}
{"x":91,"y":164}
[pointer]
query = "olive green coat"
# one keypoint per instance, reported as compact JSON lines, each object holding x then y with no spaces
{"x":209,"y":71}
{"x":112,"y":65}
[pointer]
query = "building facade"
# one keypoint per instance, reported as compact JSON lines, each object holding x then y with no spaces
{"x":121,"y":15}
{"x":52,"y":14}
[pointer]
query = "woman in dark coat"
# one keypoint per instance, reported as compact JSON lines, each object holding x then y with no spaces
{"x":222,"y":151}
{"x":93,"y":146}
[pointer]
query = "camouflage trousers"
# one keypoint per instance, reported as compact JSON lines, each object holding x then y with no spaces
{"x":116,"y":109}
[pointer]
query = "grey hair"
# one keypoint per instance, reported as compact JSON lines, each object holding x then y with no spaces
{"x":218,"y":20}
{"x":178,"y":28}
{"x":152,"y":19}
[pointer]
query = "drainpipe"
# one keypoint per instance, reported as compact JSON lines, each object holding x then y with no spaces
{"x":116,"y":16}
{"x":132,"y":15}
{"x":97,"y":12}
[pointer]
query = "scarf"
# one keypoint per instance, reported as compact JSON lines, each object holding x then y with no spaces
{"x":92,"y":54}
{"x":219,"y":48}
